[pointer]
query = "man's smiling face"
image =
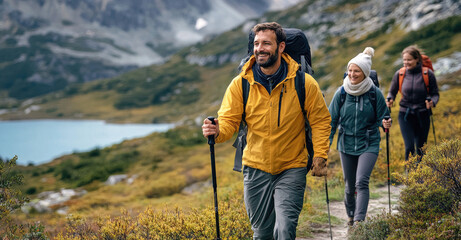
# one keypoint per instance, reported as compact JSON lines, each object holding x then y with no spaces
{"x":266,"y":49}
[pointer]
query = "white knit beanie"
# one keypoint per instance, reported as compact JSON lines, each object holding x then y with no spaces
{"x":363,"y":60}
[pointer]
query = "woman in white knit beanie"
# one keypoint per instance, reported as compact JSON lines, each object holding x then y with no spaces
{"x":357,"y":110}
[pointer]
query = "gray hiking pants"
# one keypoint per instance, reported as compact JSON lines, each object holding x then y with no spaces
{"x":274,"y":202}
{"x":357,"y":171}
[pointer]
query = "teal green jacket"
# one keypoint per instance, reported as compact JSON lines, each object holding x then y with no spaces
{"x":357,"y":125}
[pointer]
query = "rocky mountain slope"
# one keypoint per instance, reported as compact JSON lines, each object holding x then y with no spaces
{"x":323,"y":20}
{"x":46,"y":44}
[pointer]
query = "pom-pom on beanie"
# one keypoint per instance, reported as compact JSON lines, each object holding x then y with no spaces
{"x":363,"y":60}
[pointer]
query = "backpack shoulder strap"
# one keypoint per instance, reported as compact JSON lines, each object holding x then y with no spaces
{"x":300,"y":85}
{"x":372,"y":96}
{"x":425,"y":73}
{"x":245,"y":91}
{"x":305,"y":66}
{"x":426,"y":77}
{"x":240,"y":141}
{"x":342,"y":97}
{"x":401,"y":76}
{"x":374,"y":77}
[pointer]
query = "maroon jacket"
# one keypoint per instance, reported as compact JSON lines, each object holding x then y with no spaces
{"x":414,"y":91}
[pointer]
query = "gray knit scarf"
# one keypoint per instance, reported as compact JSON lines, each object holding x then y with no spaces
{"x":357,"y":89}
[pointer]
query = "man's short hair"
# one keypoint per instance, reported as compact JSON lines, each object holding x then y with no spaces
{"x":277,"y":28}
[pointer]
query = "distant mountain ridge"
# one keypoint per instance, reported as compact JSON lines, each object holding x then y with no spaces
{"x":46,"y":44}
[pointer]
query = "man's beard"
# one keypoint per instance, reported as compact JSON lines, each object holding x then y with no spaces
{"x":272,"y":59}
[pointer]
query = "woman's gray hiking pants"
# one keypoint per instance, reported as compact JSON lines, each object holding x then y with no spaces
{"x":274,"y":202}
{"x":357,"y":171}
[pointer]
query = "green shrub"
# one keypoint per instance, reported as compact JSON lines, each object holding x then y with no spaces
{"x":425,"y":202}
{"x":96,"y":165}
{"x":447,"y":228}
{"x":35,"y":232}
{"x":161,"y":190}
{"x":439,"y":167}
{"x":376,"y":228}
{"x":32,"y":231}
{"x":445,"y":162}
{"x":148,"y":86}
{"x":31,"y":190}
{"x":10,"y":197}
{"x":137,"y":98}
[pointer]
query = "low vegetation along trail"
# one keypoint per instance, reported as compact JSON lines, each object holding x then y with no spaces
{"x":337,"y":209}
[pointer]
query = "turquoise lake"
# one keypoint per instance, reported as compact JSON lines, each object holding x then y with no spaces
{"x":41,"y":141}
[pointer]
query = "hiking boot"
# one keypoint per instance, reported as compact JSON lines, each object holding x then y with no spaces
{"x":357,"y":222}
{"x":350,"y":223}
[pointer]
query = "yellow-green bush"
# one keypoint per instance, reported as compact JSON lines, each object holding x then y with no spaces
{"x":440,"y":167}
{"x":170,"y":223}
{"x":429,"y":205}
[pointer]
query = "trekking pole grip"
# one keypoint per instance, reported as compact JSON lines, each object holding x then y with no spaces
{"x":429,"y":99}
{"x":211,"y":137}
{"x":386,"y":118}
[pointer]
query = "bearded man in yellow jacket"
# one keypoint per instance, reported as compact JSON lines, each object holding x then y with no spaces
{"x":275,"y":157}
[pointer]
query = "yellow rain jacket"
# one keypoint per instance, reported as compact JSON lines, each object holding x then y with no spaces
{"x":276,"y":138}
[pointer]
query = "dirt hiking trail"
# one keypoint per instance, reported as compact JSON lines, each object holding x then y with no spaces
{"x":337,"y":209}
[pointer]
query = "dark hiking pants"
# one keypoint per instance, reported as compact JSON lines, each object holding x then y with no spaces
{"x":414,"y":128}
{"x":357,"y":171}
{"x":274,"y":202}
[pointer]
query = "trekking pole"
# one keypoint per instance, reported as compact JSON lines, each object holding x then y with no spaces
{"x":211,"y":142}
{"x":328,"y":206}
{"x":432,"y":120}
{"x":388,"y":169}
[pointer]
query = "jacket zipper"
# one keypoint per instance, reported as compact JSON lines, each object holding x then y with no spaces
{"x":356,"y":115}
{"x":280,"y":105}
